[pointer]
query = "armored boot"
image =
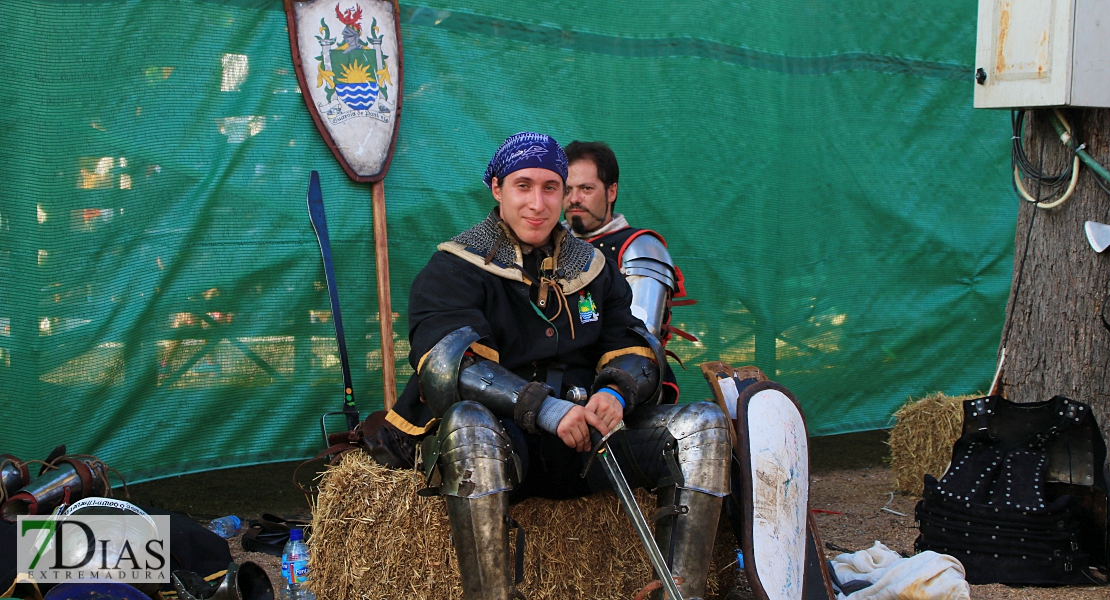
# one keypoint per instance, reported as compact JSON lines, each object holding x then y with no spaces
{"x":476,"y":469}
{"x":686,"y":538}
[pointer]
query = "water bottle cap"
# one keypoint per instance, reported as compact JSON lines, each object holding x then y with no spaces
{"x":296,"y":534}
{"x":238,"y":523}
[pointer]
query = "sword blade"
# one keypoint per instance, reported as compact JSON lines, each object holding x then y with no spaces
{"x":639,"y":523}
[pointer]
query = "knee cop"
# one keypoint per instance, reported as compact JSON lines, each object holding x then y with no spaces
{"x":699,"y":451}
{"x":470,"y":456}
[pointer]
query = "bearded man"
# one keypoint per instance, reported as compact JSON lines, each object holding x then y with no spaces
{"x":641,"y":254}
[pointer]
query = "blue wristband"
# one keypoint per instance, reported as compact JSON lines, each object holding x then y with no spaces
{"x":615,"y":394}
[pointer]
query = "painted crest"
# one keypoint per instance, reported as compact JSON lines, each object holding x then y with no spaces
{"x":347,"y":54}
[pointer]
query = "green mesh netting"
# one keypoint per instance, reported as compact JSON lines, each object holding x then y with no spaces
{"x":840,"y":211}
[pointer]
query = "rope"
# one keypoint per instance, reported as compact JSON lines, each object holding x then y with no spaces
{"x":561,"y":302}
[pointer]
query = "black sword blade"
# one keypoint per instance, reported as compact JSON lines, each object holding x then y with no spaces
{"x":320,"y":225}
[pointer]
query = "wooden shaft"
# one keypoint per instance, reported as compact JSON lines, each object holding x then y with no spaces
{"x":385,"y":305}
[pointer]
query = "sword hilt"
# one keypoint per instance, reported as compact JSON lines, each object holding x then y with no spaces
{"x":600,"y":447}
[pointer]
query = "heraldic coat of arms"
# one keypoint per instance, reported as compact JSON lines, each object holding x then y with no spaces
{"x":347,"y":56}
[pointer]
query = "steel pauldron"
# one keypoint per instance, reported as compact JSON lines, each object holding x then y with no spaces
{"x":650,"y":272}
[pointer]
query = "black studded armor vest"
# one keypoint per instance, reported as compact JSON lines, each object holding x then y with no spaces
{"x":1024,"y":499}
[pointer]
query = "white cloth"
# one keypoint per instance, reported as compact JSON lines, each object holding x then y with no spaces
{"x":925,"y":576}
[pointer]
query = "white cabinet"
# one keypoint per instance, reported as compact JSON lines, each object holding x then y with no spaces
{"x":1032,"y":53}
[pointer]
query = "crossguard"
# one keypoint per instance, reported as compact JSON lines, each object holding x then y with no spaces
{"x":601,"y":446}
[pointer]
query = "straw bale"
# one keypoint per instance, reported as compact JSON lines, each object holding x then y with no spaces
{"x":921,"y":441}
{"x":374,"y":537}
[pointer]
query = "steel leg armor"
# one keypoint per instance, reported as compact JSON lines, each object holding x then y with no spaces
{"x":477,"y":469}
{"x":696,"y":458}
{"x":72,"y":479}
{"x":13,"y":475}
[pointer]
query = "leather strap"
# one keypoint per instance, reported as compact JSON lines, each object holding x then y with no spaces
{"x":84,"y":473}
{"x":680,"y":333}
{"x":519,"y":549}
{"x":980,"y":409}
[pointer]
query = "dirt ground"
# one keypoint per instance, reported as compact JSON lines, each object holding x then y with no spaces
{"x":851,"y":486}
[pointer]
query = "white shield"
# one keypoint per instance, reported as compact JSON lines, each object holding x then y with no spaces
{"x":347,"y":54}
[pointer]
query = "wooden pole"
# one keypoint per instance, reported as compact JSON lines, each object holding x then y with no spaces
{"x":385,"y":305}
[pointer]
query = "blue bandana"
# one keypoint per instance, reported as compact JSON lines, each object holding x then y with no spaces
{"x":525,"y":151}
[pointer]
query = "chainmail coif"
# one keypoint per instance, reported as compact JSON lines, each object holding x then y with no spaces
{"x":574,"y":254}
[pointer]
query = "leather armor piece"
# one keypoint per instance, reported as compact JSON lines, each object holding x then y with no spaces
{"x":703,"y":443}
{"x":1031,"y":476}
{"x":528,"y":403}
{"x":648,"y":267}
{"x":475,"y":454}
{"x":619,"y":376}
{"x":637,"y":377}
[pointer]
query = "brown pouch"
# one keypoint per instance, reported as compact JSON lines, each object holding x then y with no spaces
{"x":386,"y":444}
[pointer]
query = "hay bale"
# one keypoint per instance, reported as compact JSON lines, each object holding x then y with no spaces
{"x":374,"y":537}
{"x":921,"y":441}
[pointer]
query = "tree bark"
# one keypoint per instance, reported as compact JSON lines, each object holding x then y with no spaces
{"x":1054,"y":338}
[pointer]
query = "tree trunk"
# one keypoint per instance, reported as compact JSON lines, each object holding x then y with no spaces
{"x":1055,"y":341}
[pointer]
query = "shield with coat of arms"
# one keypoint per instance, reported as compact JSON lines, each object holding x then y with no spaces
{"x":347,"y":54}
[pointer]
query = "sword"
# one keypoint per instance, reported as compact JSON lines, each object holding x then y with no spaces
{"x":320,"y":226}
{"x":602,"y":452}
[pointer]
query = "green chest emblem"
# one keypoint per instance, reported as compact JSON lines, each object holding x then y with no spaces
{"x":587,"y":310}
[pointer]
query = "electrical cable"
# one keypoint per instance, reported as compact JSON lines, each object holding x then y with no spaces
{"x":1023,"y":166}
{"x":1024,"y":253}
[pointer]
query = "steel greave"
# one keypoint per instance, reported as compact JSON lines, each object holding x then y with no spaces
{"x":480,"y":534}
{"x":72,"y":480}
{"x":690,"y":535}
{"x":13,"y":474}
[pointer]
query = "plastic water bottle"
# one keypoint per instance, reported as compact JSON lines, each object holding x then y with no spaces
{"x":294,"y":567}
{"x":225,"y":527}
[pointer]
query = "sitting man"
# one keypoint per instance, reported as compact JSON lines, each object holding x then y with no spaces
{"x":507,"y":318}
{"x":641,"y":254}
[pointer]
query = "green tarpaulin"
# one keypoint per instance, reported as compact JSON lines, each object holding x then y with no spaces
{"x":841,"y":213}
